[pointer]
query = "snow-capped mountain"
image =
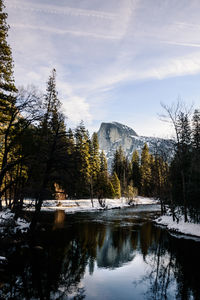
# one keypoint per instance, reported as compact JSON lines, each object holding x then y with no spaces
{"x":112,"y":135}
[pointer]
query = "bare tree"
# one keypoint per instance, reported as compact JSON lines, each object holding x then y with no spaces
{"x":18,"y":114}
{"x":177,"y":114}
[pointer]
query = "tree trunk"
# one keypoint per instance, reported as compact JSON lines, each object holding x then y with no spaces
{"x":184,"y":196}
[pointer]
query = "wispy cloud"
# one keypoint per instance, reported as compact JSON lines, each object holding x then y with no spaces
{"x":64,"y":10}
{"x":76,"y":108}
{"x":65,"y":31}
{"x":98,"y":47}
{"x":190,"y":26}
{"x":181,"y":44}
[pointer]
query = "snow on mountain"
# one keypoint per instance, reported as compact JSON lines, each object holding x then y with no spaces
{"x":113,"y":135}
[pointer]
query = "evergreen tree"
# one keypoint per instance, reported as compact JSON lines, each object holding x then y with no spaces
{"x":183,"y":157}
{"x":69,"y":165}
{"x":122,"y":168}
{"x":131,"y":193}
{"x":184,"y":131}
{"x":7,"y":98}
{"x":159,"y":180}
{"x":52,"y":134}
{"x":116,"y":185}
{"x":195,"y":168}
{"x":104,"y":187}
{"x":135,"y":162}
{"x":95,"y":157}
{"x":18,"y":109}
{"x":7,"y":86}
{"x":82,"y":158}
{"x":145,"y":171}
{"x":94,"y":164}
{"x":103,"y":162}
{"x":52,"y":147}
{"x":196,"y":130}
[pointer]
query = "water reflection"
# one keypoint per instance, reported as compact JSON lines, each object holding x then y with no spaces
{"x":59,"y":219}
{"x":116,"y":250}
{"x":81,"y":258}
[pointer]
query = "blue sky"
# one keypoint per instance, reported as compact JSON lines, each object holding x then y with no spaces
{"x":116,"y":60}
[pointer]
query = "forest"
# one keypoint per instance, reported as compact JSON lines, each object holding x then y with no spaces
{"x":40,"y":157}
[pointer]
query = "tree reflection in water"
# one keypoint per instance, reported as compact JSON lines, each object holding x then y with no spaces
{"x":173,"y":266}
{"x":55,"y":266}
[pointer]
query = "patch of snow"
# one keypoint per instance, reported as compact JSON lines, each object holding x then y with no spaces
{"x":145,"y":200}
{"x":5,"y":215}
{"x":7,"y":221}
{"x":71,"y":206}
{"x":184,"y":236}
{"x":182,"y":227}
{"x":3,"y":258}
{"x":22,"y":225}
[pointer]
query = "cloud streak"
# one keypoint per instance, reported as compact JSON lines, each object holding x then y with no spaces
{"x":66,"y":31}
{"x":52,"y":9}
{"x":101,"y":47}
{"x":181,"y":44}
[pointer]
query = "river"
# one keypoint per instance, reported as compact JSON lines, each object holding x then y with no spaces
{"x":115,"y":254}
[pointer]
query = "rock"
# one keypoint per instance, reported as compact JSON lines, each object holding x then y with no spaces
{"x":113,"y":135}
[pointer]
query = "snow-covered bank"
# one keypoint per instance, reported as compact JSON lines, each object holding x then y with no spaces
{"x":145,"y":201}
{"x":8,"y":225}
{"x":180,"y":227}
{"x":71,"y":206}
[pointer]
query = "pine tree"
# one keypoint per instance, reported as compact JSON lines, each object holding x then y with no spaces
{"x":52,"y":147}
{"x":51,"y":102}
{"x":181,"y":167}
{"x":196,"y":130}
{"x":94,"y":164}
{"x":82,"y":158}
{"x":122,"y":168}
{"x":116,"y":185}
{"x":136,"y":177}
{"x":7,"y":85}
{"x":195,"y":162}
{"x":184,"y":156}
{"x":159,"y":177}
{"x":69,"y":165}
{"x":7,"y":98}
{"x":184,"y":131}
{"x":145,"y":171}
{"x":95,"y":157}
{"x":103,"y":162}
{"x":53,"y":142}
{"x":104,"y":187}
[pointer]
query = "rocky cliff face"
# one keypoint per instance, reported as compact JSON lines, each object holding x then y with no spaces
{"x":112,"y":135}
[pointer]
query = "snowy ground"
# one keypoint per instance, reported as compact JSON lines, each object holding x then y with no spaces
{"x":180,"y":227}
{"x":71,"y":206}
{"x":9,"y":225}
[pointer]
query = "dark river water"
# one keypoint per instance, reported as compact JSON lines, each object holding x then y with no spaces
{"x":115,"y":255}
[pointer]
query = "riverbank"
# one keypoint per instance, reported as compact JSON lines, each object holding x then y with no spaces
{"x":8,"y":222}
{"x":188,"y":228}
{"x":9,"y":225}
{"x":72,"y":206}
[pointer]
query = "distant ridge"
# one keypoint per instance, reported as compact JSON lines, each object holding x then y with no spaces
{"x":111,"y":135}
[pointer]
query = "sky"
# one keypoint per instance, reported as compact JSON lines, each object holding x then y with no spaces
{"x":116,"y":60}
